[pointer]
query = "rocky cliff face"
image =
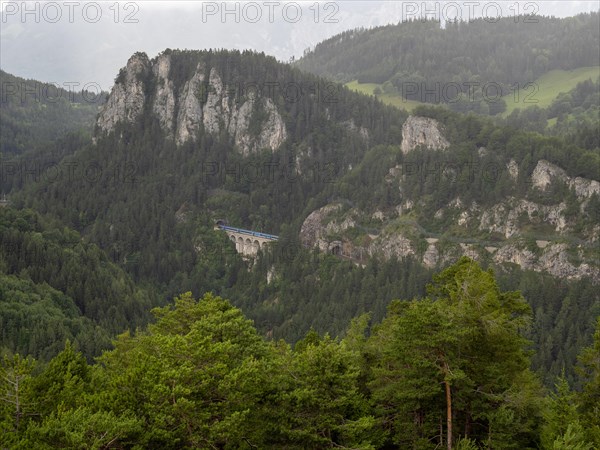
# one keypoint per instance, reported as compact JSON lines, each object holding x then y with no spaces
{"x":546,"y":173}
{"x":127,"y":99}
{"x":422,"y":131}
{"x":190,"y":113}
{"x":321,"y":224}
{"x":335,"y":230}
{"x":554,"y":260}
{"x":164,"y":102}
{"x":204,"y":101}
{"x":505,"y":217}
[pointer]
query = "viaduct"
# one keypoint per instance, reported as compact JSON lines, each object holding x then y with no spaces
{"x":247,"y":242}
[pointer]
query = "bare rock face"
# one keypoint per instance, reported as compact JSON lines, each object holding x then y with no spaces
{"x":213,"y":109}
{"x":510,"y":253}
{"x":221,"y":112}
{"x":183,"y":112}
{"x":164,"y":101}
{"x":513,"y":169}
{"x":547,"y":256}
{"x":504,"y":217}
{"x":553,"y":260}
{"x":545,"y":173}
{"x":317,"y":225}
{"x":390,"y":245}
{"x":190,"y":113}
{"x":127,"y":98}
{"x":431,"y":256}
{"x":422,"y":131}
{"x":584,"y":188}
{"x":273,"y":131}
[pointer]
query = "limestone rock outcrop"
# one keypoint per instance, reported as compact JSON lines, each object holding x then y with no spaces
{"x":164,"y":102}
{"x":545,"y":173}
{"x":202,"y":102}
{"x":319,"y":224}
{"x":504,"y":218}
{"x":127,"y":99}
{"x":190,"y":113}
{"x":422,"y":131}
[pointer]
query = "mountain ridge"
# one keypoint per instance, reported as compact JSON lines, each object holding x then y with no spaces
{"x":160,"y":220}
{"x":419,"y":60}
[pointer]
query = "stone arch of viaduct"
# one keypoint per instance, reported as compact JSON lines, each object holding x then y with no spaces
{"x":247,"y":242}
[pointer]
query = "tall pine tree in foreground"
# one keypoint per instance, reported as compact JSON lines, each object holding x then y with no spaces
{"x":454,"y":365}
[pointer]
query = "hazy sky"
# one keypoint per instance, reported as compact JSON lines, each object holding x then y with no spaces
{"x":87,"y":42}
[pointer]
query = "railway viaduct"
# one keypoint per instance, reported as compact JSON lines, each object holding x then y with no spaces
{"x":247,"y":242}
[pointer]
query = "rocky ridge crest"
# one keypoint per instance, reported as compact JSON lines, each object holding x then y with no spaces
{"x":203,"y":101}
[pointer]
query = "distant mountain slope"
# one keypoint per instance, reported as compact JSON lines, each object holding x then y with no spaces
{"x":542,"y":93}
{"x":237,"y":135}
{"x":33,"y":113}
{"x":54,"y":286}
{"x":421,"y":61}
{"x":550,"y":85}
{"x":573,"y":114}
{"x":192,"y":136}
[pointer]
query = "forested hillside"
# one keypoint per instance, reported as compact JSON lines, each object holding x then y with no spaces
{"x":231,"y":252}
{"x":124,"y":192}
{"x":33,"y":114}
{"x":420,"y":60}
{"x":434,"y":283}
{"x":54,"y":286}
{"x":149,"y":202}
{"x":573,"y":114}
{"x":450,"y":370}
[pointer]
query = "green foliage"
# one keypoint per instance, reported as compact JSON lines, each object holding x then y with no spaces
{"x":563,"y":321}
{"x":36,"y":319}
{"x":589,"y":371}
{"x":320,"y":291}
{"x":419,"y":57}
{"x":466,"y":336}
{"x":323,"y":405}
{"x":83,"y":428}
{"x":62,"y":382}
{"x":34,"y":113}
{"x":195,"y":376}
{"x":17,"y":405}
{"x":573,"y":439}
{"x":562,"y":428}
{"x":572,"y":115}
{"x":200,"y":376}
{"x":55,"y":287}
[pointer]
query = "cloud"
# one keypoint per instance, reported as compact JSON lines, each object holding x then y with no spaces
{"x":85,"y":50}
